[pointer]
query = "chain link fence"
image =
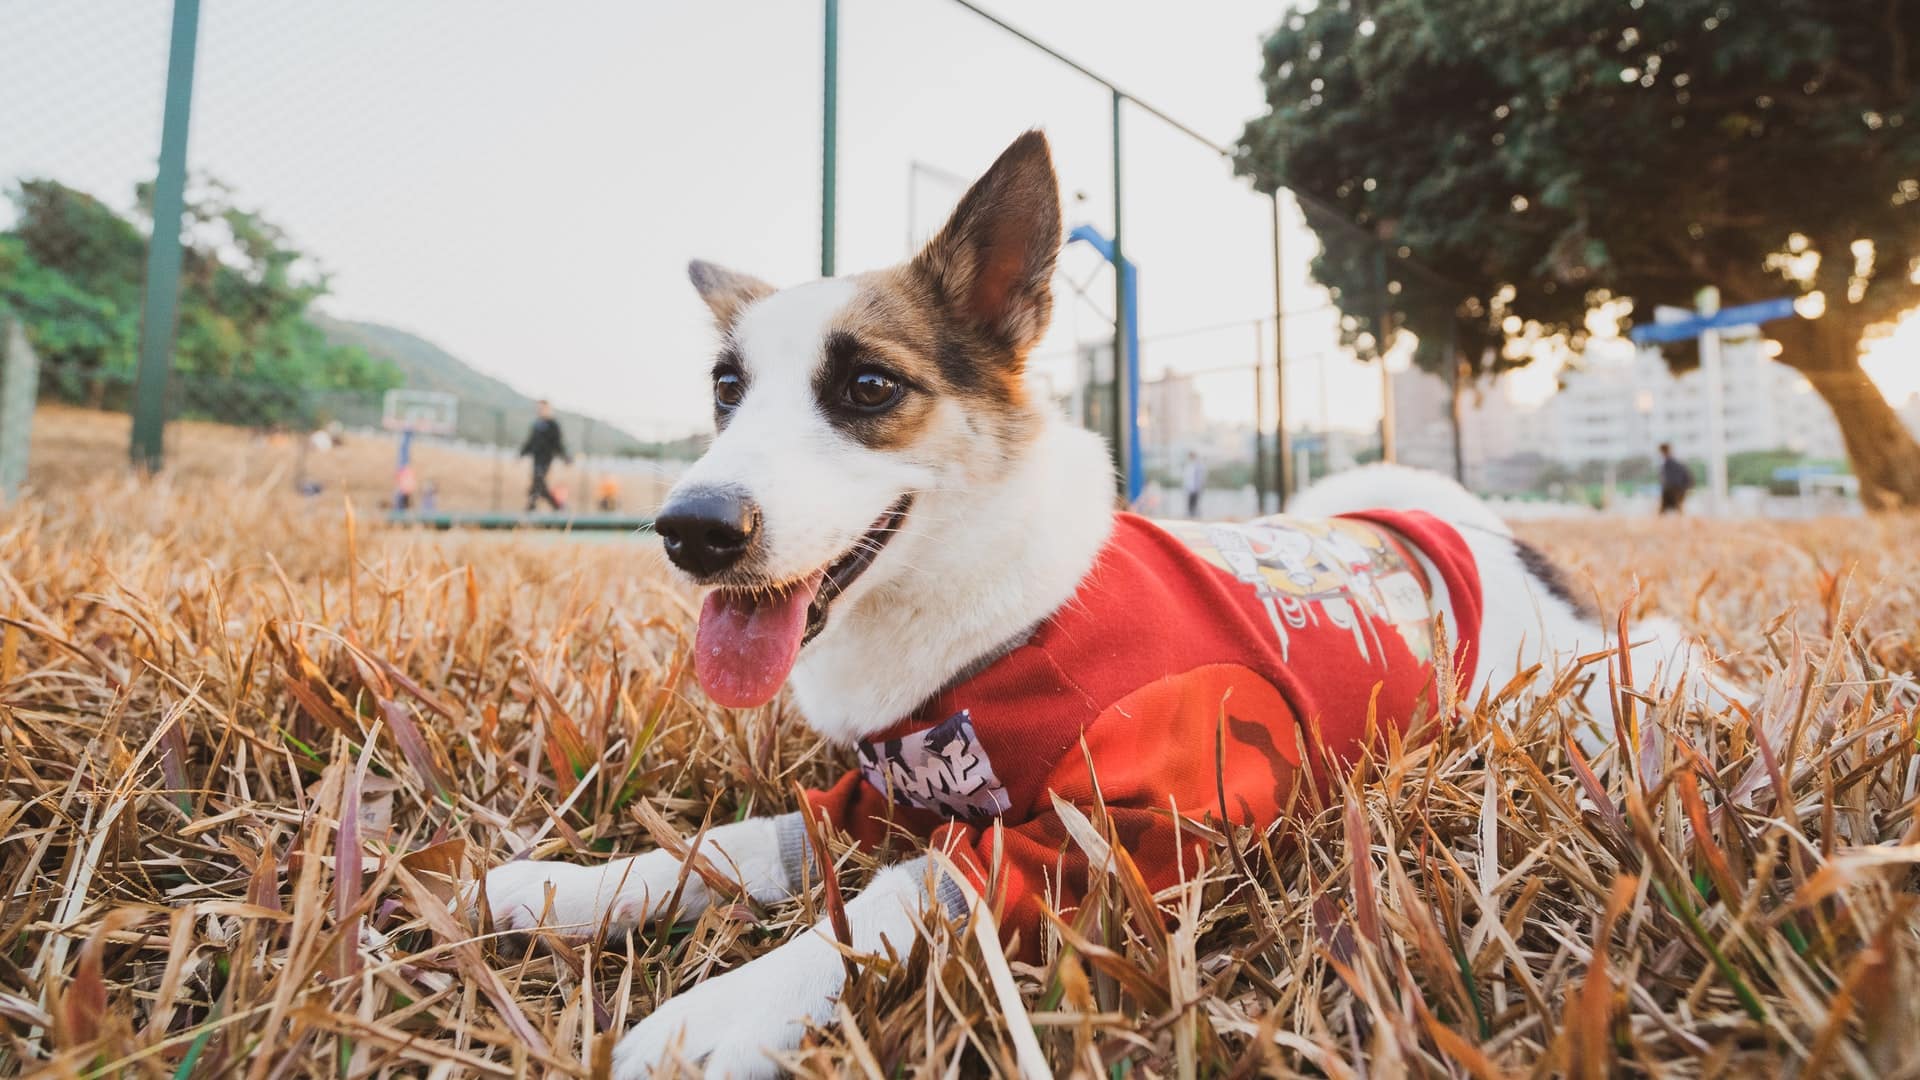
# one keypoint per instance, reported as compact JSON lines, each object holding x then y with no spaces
{"x":331,"y":443}
{"x":560,"y":265}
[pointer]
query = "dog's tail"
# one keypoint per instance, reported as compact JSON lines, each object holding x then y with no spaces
{"x":1396,"y":487}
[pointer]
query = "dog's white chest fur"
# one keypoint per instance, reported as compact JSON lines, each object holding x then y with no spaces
{"x":977,"y":565}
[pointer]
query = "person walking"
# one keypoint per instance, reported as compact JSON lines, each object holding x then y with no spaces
{"x":1676,"y":479}
{"x":543,"y":444}
{"x":1194,"y":482}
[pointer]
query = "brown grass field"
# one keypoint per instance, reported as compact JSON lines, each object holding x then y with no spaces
{"x":71,"y":445}
{"x":247,"y":744}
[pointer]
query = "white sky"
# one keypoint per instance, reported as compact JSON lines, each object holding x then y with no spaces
{"x":524,"y":184}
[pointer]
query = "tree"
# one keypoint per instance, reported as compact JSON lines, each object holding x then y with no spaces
{"x":71,"y":269}
{"x":1546,"y":157}
{"x":75,"y":271}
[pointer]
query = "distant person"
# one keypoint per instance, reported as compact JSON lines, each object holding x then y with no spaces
{"x":606,"y":494}
{"x":1675,"y":480}
{"x":404,"y":486}
{"x":543,"y":445}
{"x":1193,"y":483}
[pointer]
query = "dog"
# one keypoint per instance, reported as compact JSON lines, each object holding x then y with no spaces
{"x":891,"y":525}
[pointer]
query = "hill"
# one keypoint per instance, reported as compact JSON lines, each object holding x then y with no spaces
{"x":491,"y":411}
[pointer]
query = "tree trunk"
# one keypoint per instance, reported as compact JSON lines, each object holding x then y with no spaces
{"x":1885,"y":456}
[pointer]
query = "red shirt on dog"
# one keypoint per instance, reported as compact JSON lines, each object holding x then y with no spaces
{"x":1296,"y":641}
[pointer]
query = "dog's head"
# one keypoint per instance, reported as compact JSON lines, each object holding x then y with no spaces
{"x":840,"y":403}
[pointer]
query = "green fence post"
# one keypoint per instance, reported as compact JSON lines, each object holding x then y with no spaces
{"x":163,"y":251}
{"x":829,"y":136}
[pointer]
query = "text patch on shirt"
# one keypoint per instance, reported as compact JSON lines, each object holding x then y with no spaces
{"x":943,"y":769}
{"x":1340,"y":572}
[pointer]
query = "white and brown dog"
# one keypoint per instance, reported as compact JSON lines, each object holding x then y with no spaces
{"x":893,"y":526}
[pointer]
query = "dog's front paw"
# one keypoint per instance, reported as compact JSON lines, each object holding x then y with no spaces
{"x":517,"y":895}
{"x":583,"y":899}
{"x":726,"y":1026}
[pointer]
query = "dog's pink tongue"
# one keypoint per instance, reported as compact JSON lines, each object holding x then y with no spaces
{"x":747,"y":644}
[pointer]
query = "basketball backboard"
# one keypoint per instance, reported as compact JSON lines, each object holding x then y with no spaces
{"x":425,"y":412}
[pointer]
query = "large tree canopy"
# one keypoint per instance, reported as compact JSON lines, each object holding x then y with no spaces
{"x":74,"y":271}
{"x":1544,"y":156}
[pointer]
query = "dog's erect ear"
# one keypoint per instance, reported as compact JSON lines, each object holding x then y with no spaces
{"x":727,"y":293}
{"x":992,"y":265}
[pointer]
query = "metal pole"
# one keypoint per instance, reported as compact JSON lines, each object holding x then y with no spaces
{"x":1453,"y":411}
{"x":1120,"y":358}
{"x":1389,"y":438}
{"x":1259,"y":423}
{"x":1389,"y":451}
{"x":1711,"y":368}
{"x":499,"y":449}
{"x":829,"y":136}
{"x":1283,"y":478}
{"x":1707,"y":302}
{"x":162,"y":308}
{"x":585,"y":504}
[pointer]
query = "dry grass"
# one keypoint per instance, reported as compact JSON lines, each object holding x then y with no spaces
{"x":73,"y":445}
{"x":246,"y":744}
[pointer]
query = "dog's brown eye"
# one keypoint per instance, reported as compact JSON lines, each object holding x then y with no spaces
{"x":873,"y":390}
{"x":728,"y":390}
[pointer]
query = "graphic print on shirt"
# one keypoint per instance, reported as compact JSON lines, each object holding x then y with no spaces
{"x":1304,"y":571}
{"x":943,"y":769}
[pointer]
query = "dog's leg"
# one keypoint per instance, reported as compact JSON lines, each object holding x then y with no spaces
{"x":731,"y":1021}
{"x":757,"y":853}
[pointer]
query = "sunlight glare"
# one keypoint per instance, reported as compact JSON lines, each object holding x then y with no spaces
{"x":1893,"y":361}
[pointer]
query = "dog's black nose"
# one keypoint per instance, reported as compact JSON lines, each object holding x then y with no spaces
{"x":708,"y":530}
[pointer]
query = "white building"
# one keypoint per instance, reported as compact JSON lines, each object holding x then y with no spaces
{"x":1615,"y":406}
{"x":1618,"y":404}
{"x":1423,"y":430}
{"x":1172,"y":417}
{"x":1503,"y":444}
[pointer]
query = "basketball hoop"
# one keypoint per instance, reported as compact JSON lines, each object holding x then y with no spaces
{"x":422,"y":412}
